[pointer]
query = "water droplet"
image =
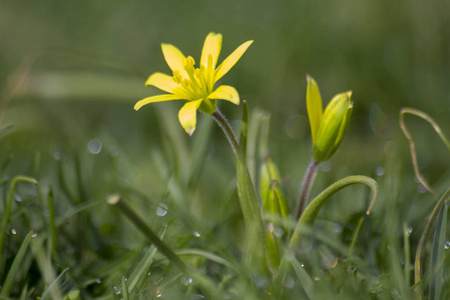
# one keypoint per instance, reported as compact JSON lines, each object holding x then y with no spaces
{"x":114,"y":151}
{"x":34,"y":234}
{"x":379,"y":171}
{"x":421,"y":189}
{"x":186,"y":280}
{"x":289,"y":283}
{"x":196,"y":234}
{"x":390,"y":148}
{"x":260,"y":282}
{"x":13,"y":231}
{"x":95,"y":146}
{"x":99,"y":280}
{"x":161,"y":210}
{"x":316,"y":278}
{"x":302,"y":265}
{"x":278,"y":231}
{"x":158,"y":293}
{"x":149,"y":273}
{"x":337,"y":228}
{"x":57,"y":155}
{"x":409,"y":230}
{"x":447,"y":245}
{"x":125,"y":279}
{"x":326,"y":166}
{"x":117,"y":290}
{"x":17,"y":197}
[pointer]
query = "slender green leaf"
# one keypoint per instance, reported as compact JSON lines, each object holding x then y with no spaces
{"x":437,"y":255}
{"x":14,"y":271}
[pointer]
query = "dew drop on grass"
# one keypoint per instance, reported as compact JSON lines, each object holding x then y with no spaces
{"x":196,"y":234}
{"x":95,"y":146}
{"x":302,"y":265}
{"x":125,"y":279}
{"x":326,"y":166}
{"x":278,"y":231}
{"x":447,"y":245}
{"x":57,"y":155}
{"x":17,"y":197}
{"x":34,"y":234}
{"x":409,"y":230}
{"x":158,"y":293}
{"x":316,"y":278}
{"x":99,"y":280}
{"x":289,"y":283}
{"x":161,"y":210}
{"x":421,"y":189}
{"x":390,"y":148}
{"x":186,"y":280}
{"x":337,"y":228}
{"x":379,"y":171}
{"x":13,"y":231}
{"x":117,"y":290}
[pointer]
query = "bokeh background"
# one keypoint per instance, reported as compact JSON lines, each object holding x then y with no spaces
{"x":71,"y":71}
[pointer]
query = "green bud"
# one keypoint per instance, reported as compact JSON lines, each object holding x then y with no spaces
{"x":333,"y":126}
{"x":273,"y":198}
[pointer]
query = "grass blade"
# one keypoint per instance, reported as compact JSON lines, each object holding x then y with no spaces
{"x":125,"y":293}
{"x":15,"y":267}
{"x":437,"y":255}
{"x":56,"y":287}
{"x":7,"y":214}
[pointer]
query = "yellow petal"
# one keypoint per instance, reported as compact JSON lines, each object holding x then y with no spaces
{"x":174,"y":57}
{"x":212,"y":46}
{"x":188,"y":115}
{"x":314,"y":106}
{"x":231,"y":60}
{"x":153,"y":99}
{"x":225,"y":92}
{"x":162,"y":81}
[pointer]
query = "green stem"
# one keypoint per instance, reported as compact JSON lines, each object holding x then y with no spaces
{"x":8,"y":213}
{"x":249,"y":202}
{"x":225,"y":126}
{"x":306,"y":187}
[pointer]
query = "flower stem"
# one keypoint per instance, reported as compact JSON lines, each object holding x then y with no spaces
{"x":223,"y":123}
{"x":306,"y":187}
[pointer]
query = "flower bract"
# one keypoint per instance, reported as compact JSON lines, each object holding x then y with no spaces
{"x":196,"y":85}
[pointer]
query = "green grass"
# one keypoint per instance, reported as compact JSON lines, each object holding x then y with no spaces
{"x":66,"y":84}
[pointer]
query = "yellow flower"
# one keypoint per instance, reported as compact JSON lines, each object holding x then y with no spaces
{"x":327,"y":127}
{"x":195,"y":85}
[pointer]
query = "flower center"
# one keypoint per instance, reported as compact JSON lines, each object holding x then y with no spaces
{"x":197,"y":84}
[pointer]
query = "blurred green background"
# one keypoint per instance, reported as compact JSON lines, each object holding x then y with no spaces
{"x":89,"y":60}
{"x":83,"y":65}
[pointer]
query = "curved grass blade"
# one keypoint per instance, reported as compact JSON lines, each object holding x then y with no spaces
{"x":408,"y":135}
{"x":7,"y":214}
{"x":311,"y":211}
